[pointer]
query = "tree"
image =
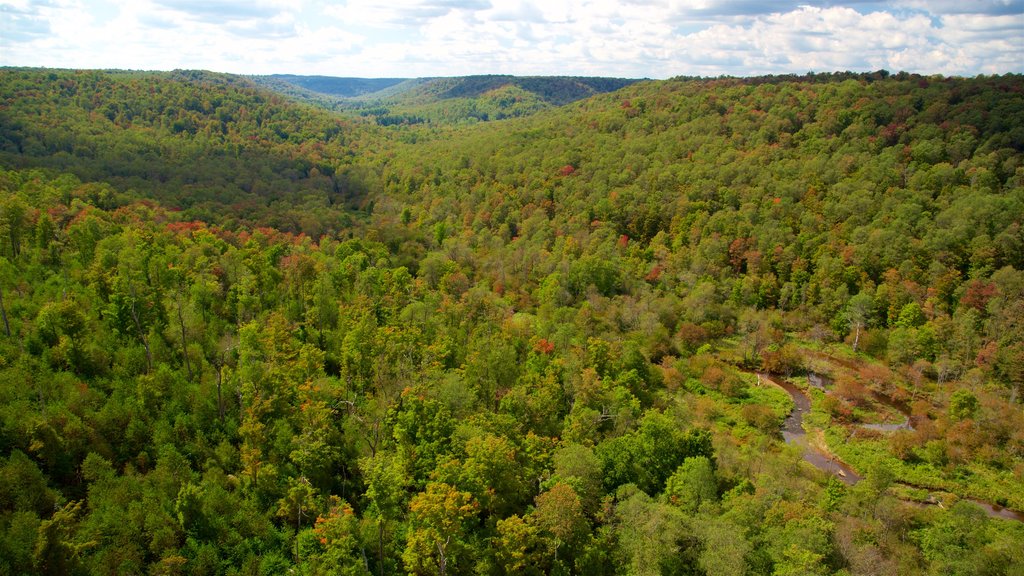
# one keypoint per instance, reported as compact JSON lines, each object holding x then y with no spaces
{"x":387,"y":484}
{"x":800,"y":546}
{"x":61,"y":325}
{"x":956,"y":543}
{"x":181,"y":324}
{"x":654,"y":538}
{"x":692,"y":484}
{"x":858,"y":313}
{"x":222,"y":355}
{"x":494,"y":475}
{"x":3,"y":307}
{"x":338,"y":534}
{"x":422,"y":429}
{"x":62,"y":318}
{"x":298,"y":503}
{"x":272,"y":364}
{"x":23,"y":486}
{"x":316,"y":451}
{"x":56,"y":552}
{"x":579,"y":467}
{"x":439,"y":518}
{"x":797,"y":561}
{"x":962,"y":405}
{"x":724,"y":548}
{"x":520,"y":548}
{"x":559,"y":511}
{"x":649,"y":455}
{"x":132,"y":308}
{"x":911,"y":316}
{"x":13,"y":224}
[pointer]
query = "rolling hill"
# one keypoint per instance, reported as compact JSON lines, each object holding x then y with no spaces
{"x":453,"y":99}
{"x":243,"y":332}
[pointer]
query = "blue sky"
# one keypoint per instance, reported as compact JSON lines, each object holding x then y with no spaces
{"x":407,"y":38}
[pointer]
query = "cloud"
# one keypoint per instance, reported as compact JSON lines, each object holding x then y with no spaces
{"x":402,"y":13}
{"x":638,"y":38}
{"x":26,"y":20}
{"x":816,"y":39}
{"x":989,"y":7}
{"x":746,"y":8}
{"x":220,"y":11}
{"x":523,"y":12}
{"x":21,"y":24}
{"x":277,"y":27}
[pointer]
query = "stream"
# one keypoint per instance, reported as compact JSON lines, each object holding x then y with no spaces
{"x":996,"y":511}
{"x":793,"y":433}
{"x":991,"y":510}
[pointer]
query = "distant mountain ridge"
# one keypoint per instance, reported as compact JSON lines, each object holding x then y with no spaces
{"x":330,"y":85}
{"x":441,"y":99}
{"x":555,"y":90}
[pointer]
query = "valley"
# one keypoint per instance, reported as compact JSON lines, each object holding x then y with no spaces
{"x":511,"y":325}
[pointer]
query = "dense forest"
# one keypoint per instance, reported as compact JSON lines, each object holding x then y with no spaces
{"x":329,"y":85}
{"x":244,"y":333}
{"x":463,"y":99}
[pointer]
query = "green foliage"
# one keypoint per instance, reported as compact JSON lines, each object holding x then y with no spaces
{"x":438,"y":538}
{"x":244,"y":335}
{"x":962,"y":405}
{"x":911,"y":316}
{"x":647,"y":456}
{"x":654,"y":537}
{"x":963,"y":541}
{"x":692,"y":484}
{"x":725,"y":548}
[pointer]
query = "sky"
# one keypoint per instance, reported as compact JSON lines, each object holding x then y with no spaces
{"x":417,"y":38}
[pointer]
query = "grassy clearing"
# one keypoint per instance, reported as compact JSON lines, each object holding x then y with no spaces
{"x":965,"y":481}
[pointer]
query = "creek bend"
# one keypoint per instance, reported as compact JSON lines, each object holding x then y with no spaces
{"x":793,"y":433}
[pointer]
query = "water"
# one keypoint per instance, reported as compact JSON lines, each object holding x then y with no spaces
{"x":793,"y":433}
{"x":819,"y":381}
{"x":823,"y":382}
{"x":905,"y":425}
{"x":997,"y":511}
{"x":896,"y":405}
{"x":991,"y":510}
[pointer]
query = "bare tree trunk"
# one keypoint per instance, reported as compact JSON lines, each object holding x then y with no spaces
{"x":220,"y":401}
{"x":442,"y":561}
{"x":184,"y":342}
{"x":380,"y":546}
{"x":142,"y":335}
{"x":3,"y":312}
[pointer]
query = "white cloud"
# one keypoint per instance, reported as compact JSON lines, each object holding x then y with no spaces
{"x":990,"y":7}
{"x":652,"y":38}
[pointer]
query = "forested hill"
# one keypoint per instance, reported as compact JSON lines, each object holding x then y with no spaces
{"x":556,"y":90}
{"x":457,"y":99}
{"x":552,"y":89}
{"x":241,"y":334}
{"x":331,"y":85}
{"x":778,"y":194}
{"x":215,"y":145}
